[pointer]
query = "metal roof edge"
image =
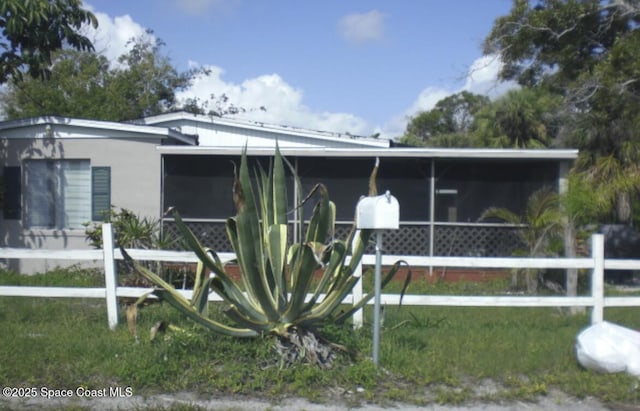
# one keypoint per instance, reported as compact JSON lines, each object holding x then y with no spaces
{"x":96,"y":124}
{"x":452,"y":153}
{"x":257,"y":125}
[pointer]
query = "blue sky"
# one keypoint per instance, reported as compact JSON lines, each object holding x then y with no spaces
{"x":356,"y":66}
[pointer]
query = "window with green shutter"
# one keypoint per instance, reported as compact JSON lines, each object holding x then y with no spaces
{"x":100,"y":192}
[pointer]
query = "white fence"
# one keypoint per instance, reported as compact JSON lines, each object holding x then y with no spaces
{"x":596,"y":263}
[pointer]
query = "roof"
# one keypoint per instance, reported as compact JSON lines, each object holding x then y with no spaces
{"x":414,"y":152}
{"x":212,"y":125}
{"x":66,"y":127}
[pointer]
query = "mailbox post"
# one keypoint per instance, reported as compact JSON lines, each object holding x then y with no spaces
{"x":378,"y":213}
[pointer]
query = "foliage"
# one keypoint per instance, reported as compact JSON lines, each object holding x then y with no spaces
{"x":275,"y":276}
{"x":33,"y":30}
{"x":83,"y":76}
{"x":85,"y":84}
{"x":146,"y":81}
{"x":588,"y":52}
{"x":541,"y":225}
{"x":131,"y":231}
{"x":558,"y":41}
{"x":448,"y":124}
{"x":523,"y":118}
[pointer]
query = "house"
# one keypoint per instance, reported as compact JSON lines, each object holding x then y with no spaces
{"x":61,"y":172}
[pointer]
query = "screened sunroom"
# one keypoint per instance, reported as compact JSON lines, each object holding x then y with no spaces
{"x":442,"y":192}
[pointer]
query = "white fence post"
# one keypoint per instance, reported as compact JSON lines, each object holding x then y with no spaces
{"x":110,"y":275}
{"x":356,"y":293}
{"x":597,"y":278}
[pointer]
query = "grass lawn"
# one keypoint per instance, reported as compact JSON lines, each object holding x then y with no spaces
{"x":428,"y":355}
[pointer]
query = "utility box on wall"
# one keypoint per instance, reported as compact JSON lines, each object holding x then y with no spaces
{"x":378,"y":213}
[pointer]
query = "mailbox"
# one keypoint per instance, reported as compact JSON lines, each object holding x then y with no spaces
{"x":379,"y":213}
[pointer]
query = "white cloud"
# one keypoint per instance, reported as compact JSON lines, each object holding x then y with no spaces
{"x":481,"y":78}
{"x":426,"y":100}
{"x":283,"y":102}
{"x":360,"y":28}
{"x":113,"y":33}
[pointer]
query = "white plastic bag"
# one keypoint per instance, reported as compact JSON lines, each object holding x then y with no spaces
{"x":608,"y":347}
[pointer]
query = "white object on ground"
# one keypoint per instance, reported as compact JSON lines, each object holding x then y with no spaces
{"x":608,"y":347}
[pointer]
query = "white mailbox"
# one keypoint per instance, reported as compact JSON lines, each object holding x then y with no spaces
{"x":379,"y":213}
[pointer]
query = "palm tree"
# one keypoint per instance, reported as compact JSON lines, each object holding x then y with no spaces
{"x":520,"y":119}
{"x":540,"y":224}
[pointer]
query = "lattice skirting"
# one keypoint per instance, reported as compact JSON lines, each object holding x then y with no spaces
{"x":480,"y":241}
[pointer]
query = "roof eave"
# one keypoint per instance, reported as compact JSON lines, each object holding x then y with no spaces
{"x":550,"y":154}
{"x":133,"y":129}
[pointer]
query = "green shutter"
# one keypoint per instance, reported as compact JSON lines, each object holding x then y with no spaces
{"x":100,"y":192}
{"x":11,"y":196}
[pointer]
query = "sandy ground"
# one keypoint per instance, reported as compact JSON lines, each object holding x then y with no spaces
{"x":555,"y":401}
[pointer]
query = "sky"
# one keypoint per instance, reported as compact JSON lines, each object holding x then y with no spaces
{"x":362,"y":67}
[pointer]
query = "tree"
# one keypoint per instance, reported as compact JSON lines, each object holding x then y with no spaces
{"x":558,"y":40}
{"x":541,"y":227}
{"x":448,"y":123}
{"x":77,"y":86}
{"x":522,"y":118}
{"x":32,"y":30}
{"x":83,"y":84}
{"x":588,"y":51}
{"x":147,"y":82}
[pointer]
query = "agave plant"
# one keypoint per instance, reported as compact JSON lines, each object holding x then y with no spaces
{"x":286,"y":290}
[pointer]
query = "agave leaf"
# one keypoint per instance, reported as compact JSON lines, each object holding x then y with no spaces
{"x":225,"y":287}
{"x":373,"y":187}
{"x":247,"y":236}
{"x":279,"y":192}
{"x":275,"y":196}
{"x":327,"y":306}
{"x":297,"y":186}
{"x":320,"y":218}
{"x":200,"y":296}
{"x":172,"y":298}
{"x":201,"y":289}
{"x":247,"y":309}
{"x":338,"y":252}
{"x":169,"y":294}
{"x":277,"y":248}
{"x":252,"y":276}
{"x":132,"y":314}
{"x":339,"y":319}
{"x":211,"y":260}
{"x":242,"y":320}
{"x":358,"y":241}
{"x":303,"y":266}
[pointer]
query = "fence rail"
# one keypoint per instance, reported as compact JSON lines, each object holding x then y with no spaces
{"x":111,"y":292}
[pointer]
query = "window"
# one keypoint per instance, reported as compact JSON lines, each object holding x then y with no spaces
{"x":57,"y":193}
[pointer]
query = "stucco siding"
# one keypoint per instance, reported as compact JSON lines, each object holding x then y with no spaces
{"x":135,"y":185}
